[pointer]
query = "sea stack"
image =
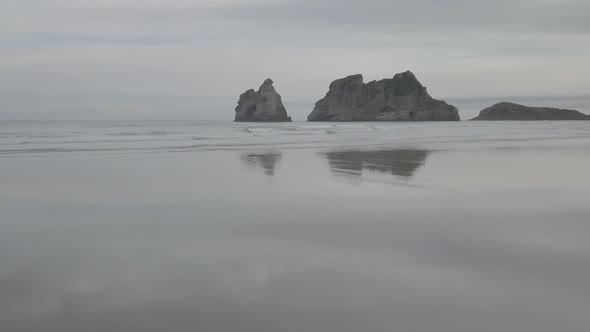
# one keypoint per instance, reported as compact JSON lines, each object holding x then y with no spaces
{"x":516,"y":112}
{"x":401,"y":98}
{"x":264,"y":105}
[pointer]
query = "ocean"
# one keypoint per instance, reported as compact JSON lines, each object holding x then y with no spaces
{"x":222,"y":226}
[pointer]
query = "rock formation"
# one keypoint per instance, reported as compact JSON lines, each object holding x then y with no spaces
{"x":264,"y":105}
{"x":511,"y":111}
{"x":401,"y":98}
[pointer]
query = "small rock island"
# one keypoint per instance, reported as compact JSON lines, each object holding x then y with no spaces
{"x":401,"y":98}
{"x":516,"y":112}
{"x":264,"y":105}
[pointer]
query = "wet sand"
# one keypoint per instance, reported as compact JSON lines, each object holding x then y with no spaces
{"x":387,"y":238}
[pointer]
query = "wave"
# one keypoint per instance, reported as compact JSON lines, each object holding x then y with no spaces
{"x":258,"y":130}
{"x":306,"y":130}
{"x":281,"y":136}
{"x":139,"y":133}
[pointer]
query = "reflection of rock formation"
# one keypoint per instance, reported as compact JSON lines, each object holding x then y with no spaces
{"x":267,"y":160}
{"x":397,"y":162}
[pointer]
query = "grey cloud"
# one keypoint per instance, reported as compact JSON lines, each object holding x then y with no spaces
{"x":179,"y":18}
{"x":212,"y":50}
{"x":423,"y":16}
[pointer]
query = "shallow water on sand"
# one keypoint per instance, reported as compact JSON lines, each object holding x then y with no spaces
{"x":172,"y":226}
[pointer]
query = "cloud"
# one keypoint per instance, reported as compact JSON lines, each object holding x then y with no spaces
{"x":213,"y":50}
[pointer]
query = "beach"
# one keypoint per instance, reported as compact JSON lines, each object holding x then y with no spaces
{"x":190,"y":226}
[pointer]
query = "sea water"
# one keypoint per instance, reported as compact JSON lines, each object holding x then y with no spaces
{"x":221,"y":226}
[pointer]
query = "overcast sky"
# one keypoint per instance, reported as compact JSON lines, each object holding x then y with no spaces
{"x":191,"y":59}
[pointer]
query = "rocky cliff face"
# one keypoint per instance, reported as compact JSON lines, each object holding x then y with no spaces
{"x":510,"y":111}
{"x":264,"y":105}
{"x":401,"y":98}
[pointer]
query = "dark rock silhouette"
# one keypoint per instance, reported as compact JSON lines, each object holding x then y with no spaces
{"x":511,"y":111}
{"x":264,"y":105}
{"x":401,"y":98}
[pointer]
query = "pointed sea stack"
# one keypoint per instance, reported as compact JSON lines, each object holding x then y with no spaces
{"x":401,"y":98}
{"x":516,"y":112}
{"x":264,"y":105}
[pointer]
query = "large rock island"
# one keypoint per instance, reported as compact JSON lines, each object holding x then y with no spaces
{"x":264,"y":105}
{"x":401,"y":98}
{"x":511,"y":111}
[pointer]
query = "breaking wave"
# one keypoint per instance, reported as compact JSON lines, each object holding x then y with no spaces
{"x":130,"y":137}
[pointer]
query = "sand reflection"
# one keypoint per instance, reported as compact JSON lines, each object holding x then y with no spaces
{"x":398,"y":162}
{"x":267,"y":161}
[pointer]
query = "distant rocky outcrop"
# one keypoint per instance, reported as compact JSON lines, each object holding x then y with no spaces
{"x":264,"y":105}
{"x":401,"y":98}
{"x":511,"y":111}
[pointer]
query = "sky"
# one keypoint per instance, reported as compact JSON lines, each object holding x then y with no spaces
{"x":177,"y":59}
